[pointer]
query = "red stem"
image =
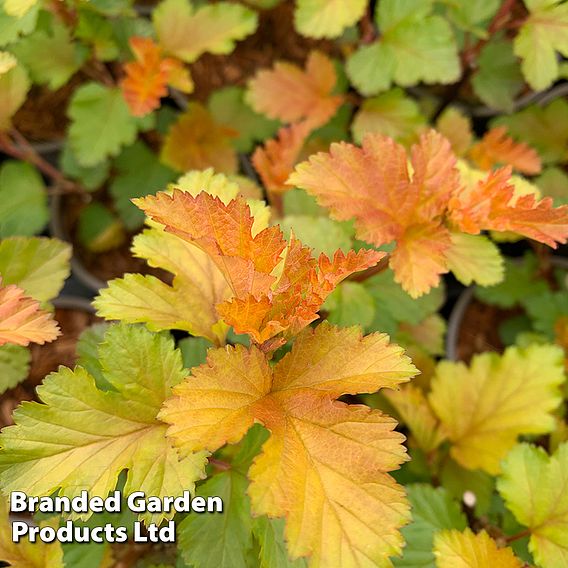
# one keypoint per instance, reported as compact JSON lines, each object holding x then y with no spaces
{"x":517,"y":536}
{"x":219,"y":464}
{"x":23,"y":150}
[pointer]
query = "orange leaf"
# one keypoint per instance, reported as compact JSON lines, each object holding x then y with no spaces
{"x":276,"y":159}
{"x":419,"y":258}
{"x":289,"y":94}
{"x":148,"y":76}
{"x":492,"y":205}
{"x":222,"y":231}
{"x":277,"y":286}
{"x":21,"y":319}
{"x":334,"y":507}
{"x":196,"y":142}
{"x":496,"y":148}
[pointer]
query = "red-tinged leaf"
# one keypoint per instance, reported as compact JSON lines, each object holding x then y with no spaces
{"x":435,"y":174}
{"x":298,"y":295}
{"x":289,"y":94}
{"x":419,"y":258}
{"x":497,"y":148}
{"x":373,"y":185}
{"x":275,"y":160}
{"x":369,"y":184}
{"x":277,"y":287}
{"x":148,"y":76}
{"x":224,"y":232}
{"x":197,"y":142}
{"x":492,"y":205}
{"x":22,"y":321}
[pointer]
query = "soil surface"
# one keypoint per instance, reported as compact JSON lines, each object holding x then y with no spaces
{"x":479,"y":330}
{"x":47,"y":358}
{"x":43,"y":116}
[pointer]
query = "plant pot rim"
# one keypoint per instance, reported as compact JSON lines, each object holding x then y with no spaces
{"x":57,"y":229}
{"x":458,"y":312}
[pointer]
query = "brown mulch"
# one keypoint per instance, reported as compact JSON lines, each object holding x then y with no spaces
{"x":479,"y":330}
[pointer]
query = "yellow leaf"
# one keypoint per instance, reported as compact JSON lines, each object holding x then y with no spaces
{"x":474,"y":258}
{"x":195,"y":141}
{"x":325,"y":467}
{"x":456,"y":127}
{"x":533,"y":486}
{"x":81,"y":437}
{"x":25,"y":554}
{"x":18,"y":8}
{"x":484,"y":408}
{"x":414,"y":411}
{"x":455,"y":549}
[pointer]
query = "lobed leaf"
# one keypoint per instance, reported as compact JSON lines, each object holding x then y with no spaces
{"x":484,"y":408}
{"x":196,"y":141}
{"x":301,"y":472}
{"x":100,"y":123}
{"x":148,"y":76}
{"x":324,"y":18}
{"x":497,"y":148}
{"x":532,"y":487}
{"x":544,"y":32}
{"x":26,"y":554}
{"x":22,"y":321}
{"x":289,"y":94}
{"x":455,"y":549}
{"x":187,"y":32}
{"x":60,"y":445}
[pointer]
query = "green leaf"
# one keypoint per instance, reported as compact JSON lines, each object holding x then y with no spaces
{"x":392,"y":114}
{"x":14,"y":86}
{"x":474,"y":258}
{"x":229,"y":108}
{"x":432,"y":510}
{"x":327,"y":18}
{"x":520,"y":282}
{"x":194,"y":351}
{"x":546,"y":309}
{"x":350,"y":304}
{"x":297,"y":203}
{"x":543,"y":33}
{"x":393,"y":305}
{"x":81,"y":438}
{"x":24,"y":200}
{"x":100,"y":123}
{"x":371,"y":67}
{"x":544,"y":128}
{"x":533,"y":486}
{"x":11,"y":27}
{"x":98,"y":32}
{"x":472,"y":15}
{"x":554,"y":183}
{"x":273,"y":551}
{"x":38,"y":265}
{"x":65,"y":55}
{"x":223,"y":540}
{"x":88,"y":352}
{"x":139,"y":173}
{"x":91,"y":177}
{"x":320,"y":233}
{"x":187,"y":33}
{"x":14,"y":366}
{"x":99,"y":230}
{"x":498,"y":79}
{"x":415,"y":46}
